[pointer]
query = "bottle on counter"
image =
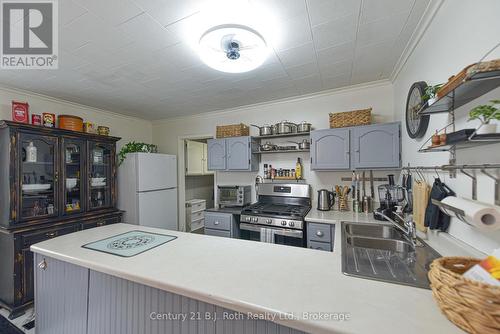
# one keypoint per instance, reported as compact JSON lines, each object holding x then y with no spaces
{"x":298,"y":170}
{"x":266,"y":172}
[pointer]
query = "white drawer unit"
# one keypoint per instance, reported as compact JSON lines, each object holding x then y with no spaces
{"x":195,"y":214}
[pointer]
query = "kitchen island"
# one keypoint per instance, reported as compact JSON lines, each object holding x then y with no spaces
{"x":193,"y":283}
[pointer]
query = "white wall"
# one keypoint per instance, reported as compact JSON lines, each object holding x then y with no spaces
{"x":460,"y":34}
{"x":126,"y":127}
{"x":314,"y":109}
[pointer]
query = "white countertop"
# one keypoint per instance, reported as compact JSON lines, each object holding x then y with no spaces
{"x":249,"y":276}
{"x":333,"y":217}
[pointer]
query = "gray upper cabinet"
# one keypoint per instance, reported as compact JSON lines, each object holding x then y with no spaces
{"x":330,"y":149}
{"x":216,"y":154}
{"x":370,"y":146}
{"x":232,"y":154}
{"x":376,"y":146}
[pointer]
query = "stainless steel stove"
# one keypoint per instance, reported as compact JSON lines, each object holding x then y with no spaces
{"x":278,"y":216}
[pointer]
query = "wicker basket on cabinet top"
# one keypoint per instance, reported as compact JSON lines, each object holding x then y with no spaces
{"x":233,"y":130}
{"x":350,"y":118}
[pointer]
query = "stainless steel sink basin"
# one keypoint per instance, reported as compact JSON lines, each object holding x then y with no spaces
{"x":373,"y":230}
{"x":381,"y":252}
{"x":381,"y":244}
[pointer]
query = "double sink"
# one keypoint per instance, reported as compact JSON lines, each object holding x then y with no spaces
{"x":381,"y":252}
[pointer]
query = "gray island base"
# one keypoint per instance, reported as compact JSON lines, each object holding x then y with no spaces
{"x":77,"y":300}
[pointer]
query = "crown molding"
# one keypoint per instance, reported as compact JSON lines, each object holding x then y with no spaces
{"x":422,"y":26}
{"x":73,"y":104}
{"x":221,"y":112}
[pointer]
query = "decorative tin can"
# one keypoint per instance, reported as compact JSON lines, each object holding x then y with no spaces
{"x":36,"y":119}
{"x":88,"y":127}
{"x":49,"y":120}
{"x":103,"y":130}
{"x":20,"y":112}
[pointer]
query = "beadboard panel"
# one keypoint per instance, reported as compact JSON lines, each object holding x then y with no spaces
{"x":60,"y":297}
{"x":118,"y":306}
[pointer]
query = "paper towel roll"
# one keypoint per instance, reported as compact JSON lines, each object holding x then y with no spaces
{"x":482,"y":215}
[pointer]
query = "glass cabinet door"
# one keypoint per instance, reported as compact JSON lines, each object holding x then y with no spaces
{"x":100,"y":177}
{"x":38,"y":176}
{"x":73,"y":166}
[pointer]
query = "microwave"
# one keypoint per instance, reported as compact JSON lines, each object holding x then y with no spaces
{"x":234,"y":195}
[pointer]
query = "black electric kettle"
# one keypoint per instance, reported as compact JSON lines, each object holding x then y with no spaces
{"x":326,"y":199}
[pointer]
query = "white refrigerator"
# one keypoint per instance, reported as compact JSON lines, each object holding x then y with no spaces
{"x":147,"y":190}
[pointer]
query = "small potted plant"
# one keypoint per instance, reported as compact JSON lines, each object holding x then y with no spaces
{"x":485,"y":113}
{"x":133,"y":147}
{"x":430,"y":94}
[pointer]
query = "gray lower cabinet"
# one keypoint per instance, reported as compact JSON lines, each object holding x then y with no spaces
{"x":376,"y":146}
{"x":76,"y":300}
{"x":221,"y":224}
{"x":232,"y":154}
{"x":369,"y":147}
{"x":320,"y":236}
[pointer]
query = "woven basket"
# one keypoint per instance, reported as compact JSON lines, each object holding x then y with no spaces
{"x":471,"y":305}
{"x":350,"y":118}
{"x":233,"y":130}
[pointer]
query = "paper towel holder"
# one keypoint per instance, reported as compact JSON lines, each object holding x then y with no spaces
{"x":446,"y":208}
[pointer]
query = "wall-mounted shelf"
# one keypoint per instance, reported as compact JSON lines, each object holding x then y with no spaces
{"x":476,"y":140}
{"x":470,"y":89}
{"x":281,"y":151}
{"x":295,"y":134}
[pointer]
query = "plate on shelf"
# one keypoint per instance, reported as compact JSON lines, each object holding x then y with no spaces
{"x":35,"y":187}
{"x":98,"y":184}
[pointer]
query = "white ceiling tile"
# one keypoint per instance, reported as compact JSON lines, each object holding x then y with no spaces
{"x":80,"y":31}
{"x":387,"y":28}
{"x":308,"y":84}
{"x":332,"y":82}
{"x":113,"y":11}
{"x":298,"y":56}
{"x":300,"y":71}
{"x":170,"y":11}
{"x":282,"y":9}
{"x":323,"y":11}
{"x":336,"y":54}
{"x":295,"y":31}
{"x":68,"y":11}
{"x":147,"y":33}
{"x":336,"y":69}
{"x":376,"y":9}
{"x":339,"y":31}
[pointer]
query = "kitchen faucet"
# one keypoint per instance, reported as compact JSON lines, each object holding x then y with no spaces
{"x":408,"y":228}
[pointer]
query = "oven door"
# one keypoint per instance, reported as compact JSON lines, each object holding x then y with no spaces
{"x":281,"y":236}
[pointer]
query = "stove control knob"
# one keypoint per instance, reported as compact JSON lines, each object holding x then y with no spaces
{"x":248,"y":219}
{"x":269,"y":221}
{"x":283,"y":223}
{"x":255,"y":219}
{"x":291,"y":224}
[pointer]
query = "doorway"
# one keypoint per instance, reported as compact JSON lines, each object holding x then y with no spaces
{"x":196,"y":183}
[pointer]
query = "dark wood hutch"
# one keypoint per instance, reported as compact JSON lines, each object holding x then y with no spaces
{"x":52,"y":182}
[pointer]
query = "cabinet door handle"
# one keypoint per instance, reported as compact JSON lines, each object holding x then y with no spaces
{"x":319,"y":233}
{"x":216,"y":223}
{"x":51,"y":234}
{"x":101,"y":223}
{"x":42,"y":265}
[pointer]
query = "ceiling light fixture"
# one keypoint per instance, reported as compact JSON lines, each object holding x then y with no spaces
{"x":232,"y":48}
